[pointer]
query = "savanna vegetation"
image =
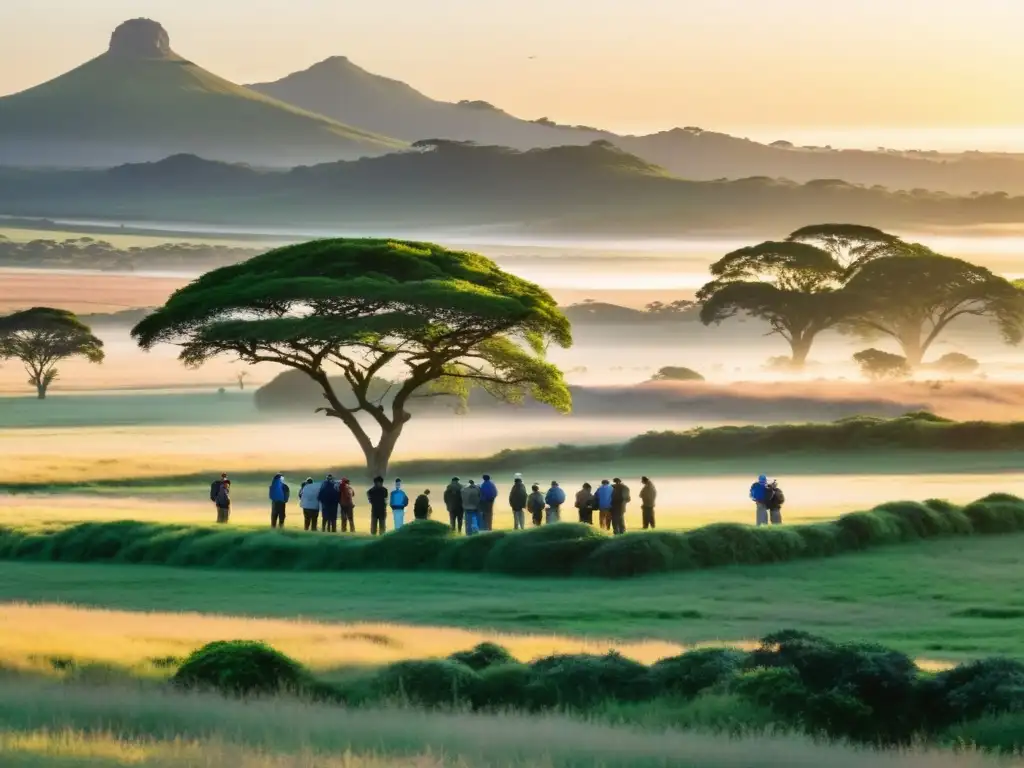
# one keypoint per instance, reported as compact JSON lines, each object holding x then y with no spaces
{"x":42,"y":337}
{"x":90,"y":253}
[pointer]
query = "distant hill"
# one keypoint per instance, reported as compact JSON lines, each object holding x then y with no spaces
{"x":140,"y":101}
{"x":344,"y":91}
{"x":595,"y":190}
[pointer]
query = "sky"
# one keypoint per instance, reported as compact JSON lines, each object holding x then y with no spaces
{"x":866,"y":69}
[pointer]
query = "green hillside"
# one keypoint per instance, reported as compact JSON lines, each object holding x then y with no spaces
{"x":133,"y":103}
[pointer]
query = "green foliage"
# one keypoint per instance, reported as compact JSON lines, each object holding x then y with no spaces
{"x":41,"y":337}
{"x":428,"y":683}
{"x":242,"y":668}
{"x":676,"y":373}
{"x":509,"y":686}
{"x":692,"y":673}
{"x":878,"y":365}
{"x":580,"y":681}
{"x":89,"y":253}
{"x":483,"y":656}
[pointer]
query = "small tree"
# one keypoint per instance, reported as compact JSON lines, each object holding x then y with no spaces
{"x":240,"y":377}
{"x":41,"y":337}
{"x":877,"y":365}
{"x":956,"y":362}
{"x":913,"y":297}
{"x":792,"y":286}
{"x":676,"y":373}
{"x":677,"y":307}
{"x":429,"y":320}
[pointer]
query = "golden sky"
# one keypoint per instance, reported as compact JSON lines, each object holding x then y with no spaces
{"x":630,"y":65}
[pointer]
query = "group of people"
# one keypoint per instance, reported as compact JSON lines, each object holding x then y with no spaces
{"x":470,"y":506}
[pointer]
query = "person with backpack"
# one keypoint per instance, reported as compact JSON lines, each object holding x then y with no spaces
{"x":422,"y":510}
{"x":453,"y":503}
{"x":347,"y":503}
{"x":309,"y":500}
{"x":603,"y":502}
{"x":775,"y":502}
{"x":398,"y":502}
{"x":488,"y":495}
{"x":585,"y":504}
{"x":329,"y":498}
{"x":471,"y":507}
{"x":279,"y":495}
{"x":535,"y":503}
{"x":648,"y":494}
{"x":620,"y":498}
{"x":759,"y":494}
{"x":223,"y":501}
{"x":555,"y":498}
{"x":377,"y":495}
{"x":215,"y":490}
{"x":517,"y":499}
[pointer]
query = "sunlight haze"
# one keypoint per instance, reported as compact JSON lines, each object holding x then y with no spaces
{"x":753,"y":67}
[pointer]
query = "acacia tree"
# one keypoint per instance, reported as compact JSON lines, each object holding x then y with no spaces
{"x":429,"y":320}
{"x":851,"y":245}
{"x":913,"y":297}
{"x":792,"y":286}
{"x":41,"y":337}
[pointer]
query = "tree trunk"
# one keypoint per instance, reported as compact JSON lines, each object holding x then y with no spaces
{"x":801,"y":347}
{"x":41,"y":391}
{"x":913,"y":350}
{"x":379,"y":456}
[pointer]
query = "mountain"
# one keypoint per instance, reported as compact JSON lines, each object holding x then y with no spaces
{"x":342,"y":90}
{"x":445,"y":187}
{"x":141,"y":101}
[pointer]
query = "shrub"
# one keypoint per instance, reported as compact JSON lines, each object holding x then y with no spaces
{"x":676,"y":373}
{"x":241,"y":668}
{"x":551,"y":550}
{"x":509,"y":686}
{"x":469,"y":553}
{"x":635,"y":555}
{"x":692,"y":673}
{"x":482,"y":656}
{"x":955,"y":362}
{"x":579,"y":681}
{"x":428,"y":683}
{"x":974,"y":690}
{"x":876,"y":365}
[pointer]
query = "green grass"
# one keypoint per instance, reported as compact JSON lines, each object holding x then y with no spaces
{"x":951,"y":599}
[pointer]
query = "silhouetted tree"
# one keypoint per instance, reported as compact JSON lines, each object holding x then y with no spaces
{"x":435,"y":321}
{"x":876,"y":365}
{"x":851,"y":245}
{"x":41,"y":337}
{"x":676,"y":373}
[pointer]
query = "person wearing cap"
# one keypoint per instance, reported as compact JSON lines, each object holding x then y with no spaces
{"x":453,"y":503}
{"x":760,"y":495}
{"x":488,"y":495}
{"x":309,"y":500}
{"x":517,"y":499}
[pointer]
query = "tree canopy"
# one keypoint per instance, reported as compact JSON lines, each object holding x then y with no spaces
{"x":913,"y":297}
{"x":849,"y":244}
{"x":43,"y":336}
{"x":429,"y":319}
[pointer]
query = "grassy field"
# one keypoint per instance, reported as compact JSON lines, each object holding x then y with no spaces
{"x":89,"y":727}
{"x":939,"y":601}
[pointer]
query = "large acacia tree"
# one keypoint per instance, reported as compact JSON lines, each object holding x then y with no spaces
{"x":41,"y":337}
{"x":427,"y":319}
{"x":851,"y":245}
{"x":792,"y":286}
{"x":913,"y":297}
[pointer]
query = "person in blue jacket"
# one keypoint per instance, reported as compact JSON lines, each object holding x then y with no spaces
{"x":279,"y":495}
{"x":760,"y":494}
{"x":488,"y":493}
{"x":555,"y":498}
{"x":603,"y":502}
{"x":398,"y":502}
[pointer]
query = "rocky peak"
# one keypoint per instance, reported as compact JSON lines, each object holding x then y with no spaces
{"x":141,"y":39}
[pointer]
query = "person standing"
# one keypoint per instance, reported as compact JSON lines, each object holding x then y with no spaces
{"x":554,"y":499}
{"x":330,"y":498}
{"x":378,"y":498}
{"x":648,"y":495}
{"x":759,"y":494}
{"x":603,"y":502}
{"x":215,"y":491}
{"x":488,"y":495}
{"x":223,"y":501}
{"x":422,"y":510}
{"x":453,"y":503}
{"x":309,"y":500}
{"x":620,"y":498}
{"x":517,"y":499}
{"x":471,"y":508}
{"x":536,"y":505}
{"x":347,"y":502}
{"x":398,"y":502}
{"x":775,"y":502}
{"x":585,"y":504}
{"x":279,"y":495}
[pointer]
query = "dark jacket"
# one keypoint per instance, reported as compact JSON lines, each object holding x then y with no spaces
{"x":453,"y":497}
{"x":378,"y":496}
{"x":223,"y":496}
{"x":329,"y":496}
{"x":648,"y":494}
{"x":421,"y":509}
{"x":620,"y":495}
{"x":518,"y":495}
{"x":535,"y":503}
{"x":215,"y":489}
{"x":584,"y":499}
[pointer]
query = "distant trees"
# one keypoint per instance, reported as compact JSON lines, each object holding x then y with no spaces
{"x":676,"y":373}
{"x":877,"y":365}
{"x":41,"y":337}
{"x":859,"y":280}
{"x":99,"y":254}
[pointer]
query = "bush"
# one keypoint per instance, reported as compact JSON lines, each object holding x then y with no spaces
{"x":509,"y":686}
{"x":242,"y":668}
{"x":636,"y":555}
{"x":877,"y":365}
{"x":551,"y":550}
{"x":974,"y":690}
{"x":579,"y":681}
{"x":428,"y":683}
{"x":955,"y":362}
{"x":694,"y":672}
{"x":676,"y":373}
{"x":482,"y":656}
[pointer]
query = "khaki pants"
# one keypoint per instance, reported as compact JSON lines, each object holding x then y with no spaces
{"x":223,"y":513}
{"x":761,"y":514}
{"x":605,"y":518}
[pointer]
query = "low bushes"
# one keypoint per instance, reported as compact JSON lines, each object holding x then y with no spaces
{"x":568,"y":549}
{"x":852,"y":691}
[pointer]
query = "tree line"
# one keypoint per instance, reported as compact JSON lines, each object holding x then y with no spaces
{"x":90,"y":253}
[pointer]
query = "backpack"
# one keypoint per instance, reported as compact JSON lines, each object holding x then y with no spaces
{"x":214,"y":490}
{"x":778,"y":498}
